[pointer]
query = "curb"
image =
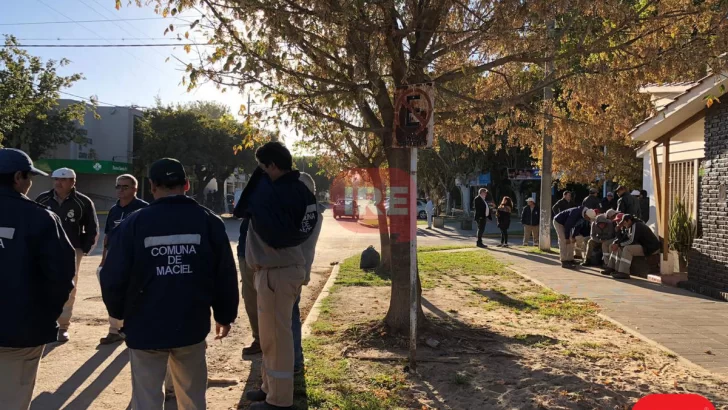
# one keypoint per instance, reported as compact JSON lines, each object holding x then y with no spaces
{"x":633,"y":332}
{"x":313,"y":314}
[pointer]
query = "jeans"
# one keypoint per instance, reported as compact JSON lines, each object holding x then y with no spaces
{"x":296,"y":328}
{"x":504,"y":236}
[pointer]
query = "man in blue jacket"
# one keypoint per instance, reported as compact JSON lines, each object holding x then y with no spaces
{"x":38,"y":266}
{"x":566,"y":224}
{"x":167,"y":265}
{"x":283,"y":215}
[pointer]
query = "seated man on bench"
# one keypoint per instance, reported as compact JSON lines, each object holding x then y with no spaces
{"x":602,"y":235}
{"x":638,"y":240}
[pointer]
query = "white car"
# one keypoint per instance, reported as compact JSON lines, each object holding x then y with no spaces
{"x":421,"y":213}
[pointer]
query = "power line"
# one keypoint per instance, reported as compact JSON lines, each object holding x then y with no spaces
{"x":32,"y":23}
{"x":107,"y":45}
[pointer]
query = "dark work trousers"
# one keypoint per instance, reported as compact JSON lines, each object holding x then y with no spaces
{"x":481,"y":229}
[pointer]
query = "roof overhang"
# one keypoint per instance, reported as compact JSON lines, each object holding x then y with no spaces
{"x":684,"y":107}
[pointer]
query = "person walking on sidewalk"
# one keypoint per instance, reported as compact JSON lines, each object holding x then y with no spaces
{"x":602,"y":234}
{"x":504,"y":219}
{"x":169,"y":264}
{"x":283,"y":215}
{"x":250,"y":296}
{"x":38,"y":266}
{"x":126,"y":190}
{"x":429,"y":210}
{"x":482,"y":212}
{"x":530,"y":219}
{"x":562,"y":204}
{"x":78,"y":215}
{"x":565,"y":224}
{"x":640,"y":241}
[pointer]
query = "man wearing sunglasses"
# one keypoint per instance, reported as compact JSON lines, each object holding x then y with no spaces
{"x":128,"y":203}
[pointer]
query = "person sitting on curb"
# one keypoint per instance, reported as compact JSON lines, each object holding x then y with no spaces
{"x":639,"y":240}
{"x":565,"y":224}
{"x":602,"y":233}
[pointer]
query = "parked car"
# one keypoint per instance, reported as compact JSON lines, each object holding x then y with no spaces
{"x":346,"y":208}
{"x":421,"y":213}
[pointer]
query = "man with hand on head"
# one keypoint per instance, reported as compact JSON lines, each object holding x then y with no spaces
{"x":38,"y":266}
{"x":126,"y":190}
{"x":78,"y":215}
{"x":167,"y":265}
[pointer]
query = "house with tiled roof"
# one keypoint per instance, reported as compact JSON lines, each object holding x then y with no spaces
{"x":685,"y":153}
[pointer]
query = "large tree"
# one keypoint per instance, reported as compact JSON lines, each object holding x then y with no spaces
{"x":340,"y":61}
{"x":31,"y":118}
{"x":203,"y":141}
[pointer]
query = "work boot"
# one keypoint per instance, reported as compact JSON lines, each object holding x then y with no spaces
{"x":577,"y":256}
{"x":266,"y":406}
{"x":256,"y":395}
{"x":607,"y":271}
{"x":620,"y":275}
{"x":254,"y":348}
{"x":587,"y":262}
{"x":111,"y":338}
{"x":567,"y":265}
{"x":62,"y":336}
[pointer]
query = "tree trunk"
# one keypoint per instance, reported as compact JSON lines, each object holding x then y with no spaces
{"x":398,"y":317}
{"x":385,"y":264}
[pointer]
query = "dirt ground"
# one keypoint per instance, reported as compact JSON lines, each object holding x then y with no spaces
{"x":81,"y":374}
{"x":503,"y":342}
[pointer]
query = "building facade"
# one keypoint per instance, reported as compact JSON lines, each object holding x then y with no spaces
{"x":106,"y":153}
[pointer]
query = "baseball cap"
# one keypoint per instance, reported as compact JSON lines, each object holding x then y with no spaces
{"x":64,"y":173}
{"x":611,"y":213}
{"x":626,"y":217}
{"x":593,"y":191}
{"x":589,"y":213}
{"x":167,"y":171}
{"x":610,"y":194}
{"x":635,"y":193}
{"x":13,"y":160}
{"x":530,"y":200}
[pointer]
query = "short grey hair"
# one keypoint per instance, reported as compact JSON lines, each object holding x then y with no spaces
{"x":130,"y":177}
{"x":308,"y":181}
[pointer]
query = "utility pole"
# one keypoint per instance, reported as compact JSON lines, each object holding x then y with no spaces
{"x":546,"y":158}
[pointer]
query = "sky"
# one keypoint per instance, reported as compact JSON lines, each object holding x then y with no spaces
{"x":116,"y":76}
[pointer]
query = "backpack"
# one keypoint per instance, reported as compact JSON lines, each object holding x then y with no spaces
{"x":369,"y":258}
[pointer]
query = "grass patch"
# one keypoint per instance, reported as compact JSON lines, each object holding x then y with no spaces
{"x":423,"y":249}
{"x":351,"y":275}
{"x":436,"y":265}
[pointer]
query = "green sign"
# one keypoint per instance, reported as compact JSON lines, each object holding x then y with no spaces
{"x":83,"y":166}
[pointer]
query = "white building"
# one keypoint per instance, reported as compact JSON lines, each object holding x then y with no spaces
{"x":106,"y":154}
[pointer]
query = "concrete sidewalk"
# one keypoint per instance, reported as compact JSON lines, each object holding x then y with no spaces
{"x":690,"y":325}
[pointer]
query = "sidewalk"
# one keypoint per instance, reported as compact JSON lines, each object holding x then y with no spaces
{"x":692,"y":326}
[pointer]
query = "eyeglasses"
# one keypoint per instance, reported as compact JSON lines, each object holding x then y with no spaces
{"x":122,"y":187}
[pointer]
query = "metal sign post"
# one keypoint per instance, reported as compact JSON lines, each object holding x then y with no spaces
{"x":413,"y":128}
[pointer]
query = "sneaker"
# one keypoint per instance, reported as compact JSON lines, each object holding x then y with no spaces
{"x":620,"y":275}
{"x":256,"y":395}
{"x":567,"y":265}
{"x":111,"y":338}
{"x":62,"y":336}
{"x":607,"y":271}
{"x":254,"y":348}
{"x":587,"y":263}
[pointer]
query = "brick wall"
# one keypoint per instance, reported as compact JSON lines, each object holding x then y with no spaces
{"x":708,"y":267}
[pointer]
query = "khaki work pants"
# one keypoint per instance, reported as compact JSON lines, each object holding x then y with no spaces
{"x":621,"y":260}
{"x":528,"y":232}
{"x":114,"y":324}
{"x":17,"y":377}
{"x":187,"y":371}
{"x":580,"y":246}
{"x":592,"y":245}
{"x":566,"y":251}
{"x":65,"y":320}
{"x":250,"y":296}
{"x":278,"y":289}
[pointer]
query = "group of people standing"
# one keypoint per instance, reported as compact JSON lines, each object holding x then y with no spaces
{"x":165,"y":268}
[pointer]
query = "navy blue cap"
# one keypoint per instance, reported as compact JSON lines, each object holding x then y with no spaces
{"x":13,"y":160}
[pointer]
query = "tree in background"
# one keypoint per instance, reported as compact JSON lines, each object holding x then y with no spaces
{"x":321,"y":178}
{"x":31,"y":118}
{"x":205,"y":144}
{"x":339,"y":62}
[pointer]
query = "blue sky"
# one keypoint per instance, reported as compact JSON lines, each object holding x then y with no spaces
{"x":119,"y":76}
